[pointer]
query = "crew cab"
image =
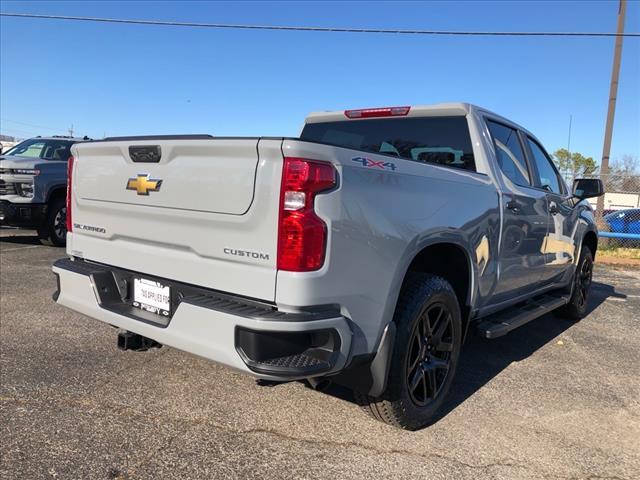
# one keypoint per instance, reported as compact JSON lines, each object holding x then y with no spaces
{"x":33,"y":186}
{"x":361,"y":252}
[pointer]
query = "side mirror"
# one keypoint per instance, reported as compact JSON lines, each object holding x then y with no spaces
{"x":587,"y":188}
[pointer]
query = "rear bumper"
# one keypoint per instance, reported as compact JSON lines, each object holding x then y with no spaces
{"x":248,"y":336}
{"x":22,"y":214}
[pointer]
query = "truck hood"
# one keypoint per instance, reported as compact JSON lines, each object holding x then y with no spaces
{"x":15,"y":161}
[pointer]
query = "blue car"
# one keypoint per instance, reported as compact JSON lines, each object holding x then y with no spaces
{"x":624,"y":221}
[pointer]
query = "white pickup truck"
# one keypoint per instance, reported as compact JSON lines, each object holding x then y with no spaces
{"x":361,"y":252}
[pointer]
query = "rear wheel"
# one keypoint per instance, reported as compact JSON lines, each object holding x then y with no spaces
{"x":576,"y":309}
{"x":54,"y":231}
{"x":425,"y":354}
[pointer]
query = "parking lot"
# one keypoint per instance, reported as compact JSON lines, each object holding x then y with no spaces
{"x":551,"y":400}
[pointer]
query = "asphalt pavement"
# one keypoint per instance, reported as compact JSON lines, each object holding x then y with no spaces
{"x":553,"y":399}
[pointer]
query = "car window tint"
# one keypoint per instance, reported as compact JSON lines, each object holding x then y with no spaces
{"x":32,"y":149}
{"x":547,"y":175}
{"x":60,"y":151}
{"x":441,"y":140}
{"x":509,"y":153}
{"x":45,"y":149}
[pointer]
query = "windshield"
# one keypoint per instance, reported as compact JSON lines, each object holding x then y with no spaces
{"x":44,"y":149}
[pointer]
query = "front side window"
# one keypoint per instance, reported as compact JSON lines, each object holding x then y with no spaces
{"x":440,"y":140}
{"x":548,"y":176}
{"x":44,"y":149}
{"x":509,"y":153}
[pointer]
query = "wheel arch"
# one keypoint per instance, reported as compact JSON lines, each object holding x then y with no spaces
{"x":57,"y":192}
{"x":590,"y":240}
{"x":447,"y":257}
{"x":451,"y":261}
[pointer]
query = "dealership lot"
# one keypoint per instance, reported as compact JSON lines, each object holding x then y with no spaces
{"x":552,"y":399}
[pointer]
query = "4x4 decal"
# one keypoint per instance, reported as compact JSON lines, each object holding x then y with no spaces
{"x":369,"y":163}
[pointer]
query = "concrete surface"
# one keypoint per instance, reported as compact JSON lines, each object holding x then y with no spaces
{"x":551,"y":400}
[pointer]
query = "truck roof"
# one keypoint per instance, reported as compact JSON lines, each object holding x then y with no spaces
{"x":62,"y":137}
{"x":434,"y":110}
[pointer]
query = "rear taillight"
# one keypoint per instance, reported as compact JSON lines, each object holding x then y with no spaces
{"x":378,"y":112}
{"x":302,"y":235}
{"x":69,"y":190}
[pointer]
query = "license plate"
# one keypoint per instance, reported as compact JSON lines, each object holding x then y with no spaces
{"x":152,"y":296}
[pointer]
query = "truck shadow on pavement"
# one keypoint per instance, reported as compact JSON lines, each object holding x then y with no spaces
{"x":8,"y":238}
{"x":481,"y":360}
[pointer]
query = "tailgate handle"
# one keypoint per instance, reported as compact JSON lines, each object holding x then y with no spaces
{"x":145,"y":153}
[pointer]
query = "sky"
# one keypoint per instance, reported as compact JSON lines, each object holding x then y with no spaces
{"x":108,"y":79}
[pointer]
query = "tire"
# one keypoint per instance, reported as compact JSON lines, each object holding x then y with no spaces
{"x":54,"y":231}
{"x":427,"y":309}
{"x":576,"y":309}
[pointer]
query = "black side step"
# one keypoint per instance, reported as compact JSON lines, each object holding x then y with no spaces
{"x":503,"y":322}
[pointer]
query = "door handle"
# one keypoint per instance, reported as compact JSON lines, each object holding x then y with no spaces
{"x":553,"y":210}
{"x":513,"y":206}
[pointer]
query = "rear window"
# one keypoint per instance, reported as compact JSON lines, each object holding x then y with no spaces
{"x":440,"y":140}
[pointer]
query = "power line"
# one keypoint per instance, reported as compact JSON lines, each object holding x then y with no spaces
{"x":31,"y":125}
{"x":12,"y":132}
{"x":318,"y":29}
{"x":35,"y":127}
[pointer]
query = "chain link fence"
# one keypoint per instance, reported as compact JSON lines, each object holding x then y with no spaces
{"x":619,"y":218}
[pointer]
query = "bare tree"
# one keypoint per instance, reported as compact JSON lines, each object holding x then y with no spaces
{"x":623,"y":176}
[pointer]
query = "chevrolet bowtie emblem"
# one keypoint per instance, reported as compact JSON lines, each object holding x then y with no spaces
{"x":142,"y":184}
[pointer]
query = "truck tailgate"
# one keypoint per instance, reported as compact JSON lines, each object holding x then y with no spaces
{"x":206,"y":213}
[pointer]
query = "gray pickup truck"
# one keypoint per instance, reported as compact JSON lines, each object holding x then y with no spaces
{"x":33,"y":186}
{"x":361,"y":252}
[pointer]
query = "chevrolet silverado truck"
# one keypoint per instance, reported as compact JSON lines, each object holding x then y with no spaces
{"x":33,"y":186}
{"x":361,"y":252}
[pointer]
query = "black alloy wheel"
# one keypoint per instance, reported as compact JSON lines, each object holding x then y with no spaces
{"x":583,"y":282}
{"x":427,"y":364}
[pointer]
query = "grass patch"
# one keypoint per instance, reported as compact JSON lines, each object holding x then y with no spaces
{"x":619,"y":252}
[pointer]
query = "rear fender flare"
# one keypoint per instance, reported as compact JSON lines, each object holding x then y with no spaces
{"x":379,"y":366}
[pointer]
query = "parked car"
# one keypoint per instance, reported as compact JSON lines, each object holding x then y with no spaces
{"x":33,"y":186}
{"x":361,"y":252}
{"x":624,"y":221}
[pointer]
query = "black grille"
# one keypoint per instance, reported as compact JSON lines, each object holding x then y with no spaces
{"x":7,"y":188}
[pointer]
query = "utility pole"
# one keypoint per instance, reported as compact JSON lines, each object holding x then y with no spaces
{"x":573,"y":175}
{"x":613,"y":93}
{"x":71,"y":131}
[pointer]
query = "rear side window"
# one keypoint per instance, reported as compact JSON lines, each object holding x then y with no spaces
{"x":549,"y":179}
{"x":440,"y":140}
{"x":509,"y":153}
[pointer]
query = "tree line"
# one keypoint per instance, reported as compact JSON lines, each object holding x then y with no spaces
{"x":623,"y":176}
